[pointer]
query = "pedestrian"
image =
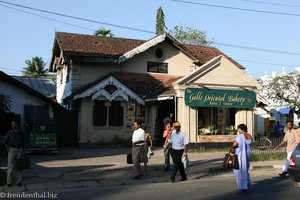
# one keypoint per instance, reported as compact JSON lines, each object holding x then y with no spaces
{"x":278,"y":129}
{"x":15,"y":143}
{"x":242,"y":147}
{"x":178,"y":143}
{"x":291,"y":139}
{"x":168,"y":118}
{"x":138,"y":146}
{"x":147,"y":151}
{"x":167,"y":135}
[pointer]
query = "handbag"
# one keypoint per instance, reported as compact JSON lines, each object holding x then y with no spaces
{"x":231,"y":161}
{"x":129,"y":158}
{"x":23,"y":162}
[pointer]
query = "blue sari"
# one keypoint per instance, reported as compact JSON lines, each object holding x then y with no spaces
{"x":243,"y":152}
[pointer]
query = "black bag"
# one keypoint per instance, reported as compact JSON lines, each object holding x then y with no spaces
{"x":23,"y":162}
{"x":129,"y":158}
{"x":231,"y":161}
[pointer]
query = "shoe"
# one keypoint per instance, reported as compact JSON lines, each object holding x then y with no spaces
{"x":171,"y":180}
{"x":283,"y":174}
{"x":183,"y":179}
{"x":19,"y":184}
{"x":9,"y":185}
{"x":137,"y":177}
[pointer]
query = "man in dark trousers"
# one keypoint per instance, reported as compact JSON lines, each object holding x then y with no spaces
{"x":178,"y":149}
{"x":14,"y":142}
{"x":138,"y":143}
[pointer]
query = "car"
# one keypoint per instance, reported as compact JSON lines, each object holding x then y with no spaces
{"x":294,"y":167}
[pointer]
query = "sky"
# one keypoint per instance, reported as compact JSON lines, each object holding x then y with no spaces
{"x":262,"y":35}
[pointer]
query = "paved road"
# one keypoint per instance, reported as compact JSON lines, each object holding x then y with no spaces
{"x":215,"y":186}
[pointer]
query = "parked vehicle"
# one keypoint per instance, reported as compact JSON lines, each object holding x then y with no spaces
{"x":294,"y":168}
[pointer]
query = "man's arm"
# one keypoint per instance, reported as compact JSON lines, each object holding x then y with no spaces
{"x":279,"y":145}
{"x":6,"y":141}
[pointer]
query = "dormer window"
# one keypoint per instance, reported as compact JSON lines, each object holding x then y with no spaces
{"x":157,"y":67}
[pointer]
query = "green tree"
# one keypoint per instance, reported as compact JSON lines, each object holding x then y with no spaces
{"x":103,"y":32}
{"x":187,"y":35}
{"x":35,"y":67}
{"x":5,"y":101}
{"x":160,"y":21}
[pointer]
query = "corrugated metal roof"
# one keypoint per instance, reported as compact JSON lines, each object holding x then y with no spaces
{"x":45,"y":86}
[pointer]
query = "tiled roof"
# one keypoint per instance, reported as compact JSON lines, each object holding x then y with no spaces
{"x":147,"y":86}
{"x":89,"y":45}
{"x":45,"y":86}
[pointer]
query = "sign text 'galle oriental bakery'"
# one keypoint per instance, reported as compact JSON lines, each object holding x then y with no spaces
{"x":203,"y":97}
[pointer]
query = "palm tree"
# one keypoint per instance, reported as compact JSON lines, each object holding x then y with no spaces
{"x":35,"y":67}
{"x":103,"y":32}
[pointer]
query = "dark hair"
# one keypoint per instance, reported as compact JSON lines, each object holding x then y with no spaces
{"x":289,"y":121}
{"x":243,"y":127}
{"x":298,"y":123}
{"x":139,"y":122}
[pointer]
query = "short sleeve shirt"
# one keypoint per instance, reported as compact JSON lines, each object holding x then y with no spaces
{"x":178,"y":140}
{"x":291,"y":139}
{"x":138,"y":135}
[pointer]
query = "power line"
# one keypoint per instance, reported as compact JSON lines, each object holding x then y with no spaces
{"x":236,"y":8}
{"x":258,"y":49}
{"x":47,"y":17}
{"x":266,"y":63}
{"x":79,"y":18}
{"x":275,"y":4}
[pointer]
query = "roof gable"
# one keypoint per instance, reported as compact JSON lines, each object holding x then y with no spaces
{"x":219,"y":72}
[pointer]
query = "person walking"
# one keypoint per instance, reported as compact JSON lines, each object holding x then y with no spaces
{"x":138,"y":146}
{"x":167,"y":135}
{"x":15,"y":143}
{"x":290,"y":138}
{"x":178,"y":143}
{"x":242,"y":146}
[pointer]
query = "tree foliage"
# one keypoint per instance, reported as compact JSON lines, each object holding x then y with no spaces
{"x":103,"y":32}
{"x":5,"y":101}
{"x":284,"y":91}
{"x":160,"y":21}
{"x":35,"y":67}
{"x":187,"y":35}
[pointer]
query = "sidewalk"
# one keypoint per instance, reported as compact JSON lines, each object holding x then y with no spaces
{"x":86,"y":168}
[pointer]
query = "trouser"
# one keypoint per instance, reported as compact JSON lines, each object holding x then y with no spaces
{"x":137,"y":152}
{"x":167,"y":159}
{"x":178,"y":165}
{"x":13,"y":155}
{"x":287,"y":162}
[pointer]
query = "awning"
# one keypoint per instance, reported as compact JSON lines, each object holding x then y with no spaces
{"x":284,"y":111}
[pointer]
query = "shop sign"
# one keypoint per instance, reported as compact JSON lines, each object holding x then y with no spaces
{"x":202,"y":97}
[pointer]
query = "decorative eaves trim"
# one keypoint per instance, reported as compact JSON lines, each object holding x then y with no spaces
{"x":98,"y":90}
{"x":142,"y":48}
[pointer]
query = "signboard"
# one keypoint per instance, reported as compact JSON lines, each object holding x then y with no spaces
{"x":202,"y":97}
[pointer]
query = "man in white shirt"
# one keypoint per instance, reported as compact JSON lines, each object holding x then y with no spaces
{"x":138,"y":143}
{"x":178,"y":144}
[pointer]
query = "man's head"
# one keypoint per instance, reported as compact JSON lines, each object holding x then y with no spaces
{"x":177,"y":126}
{"x":14,"y":125}
{"x":137,"y":124}
{"x":289,"y":124}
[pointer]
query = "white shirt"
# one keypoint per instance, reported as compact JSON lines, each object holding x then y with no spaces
{"x":138,"y":135}
{"x":178,"y":140}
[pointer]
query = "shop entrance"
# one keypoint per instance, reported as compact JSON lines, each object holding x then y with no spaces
{"x":165,"y":110}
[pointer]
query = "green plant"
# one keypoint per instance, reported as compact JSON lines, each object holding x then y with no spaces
{"x":267,"y":157}
{"x":5,"y":101}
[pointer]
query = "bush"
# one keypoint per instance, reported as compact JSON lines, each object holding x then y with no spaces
{"x":268,"y":157}
{"x":116,"y":140}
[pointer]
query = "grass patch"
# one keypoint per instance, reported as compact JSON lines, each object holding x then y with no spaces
{"x":203,"y":149}
{"x":268,"y":157}
{"x":2,"y":178}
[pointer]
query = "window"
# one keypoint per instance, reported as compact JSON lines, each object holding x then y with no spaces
{"x":108,"y":114}
{"x":157,"y":67}
{"x":159,"y":54}
{"x":99,"y":113}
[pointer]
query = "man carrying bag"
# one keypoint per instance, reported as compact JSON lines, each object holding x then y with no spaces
{"x":14,"y":142}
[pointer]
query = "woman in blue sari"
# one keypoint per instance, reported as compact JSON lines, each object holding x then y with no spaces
{"x":242,"y":146}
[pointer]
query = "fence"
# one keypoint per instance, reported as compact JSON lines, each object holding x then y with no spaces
{"x":266,"y":145}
